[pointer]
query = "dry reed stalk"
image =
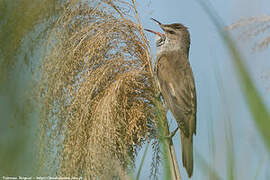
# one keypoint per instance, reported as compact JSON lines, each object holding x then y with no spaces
{"x":96,"y":91}
{"x":253,"y":27}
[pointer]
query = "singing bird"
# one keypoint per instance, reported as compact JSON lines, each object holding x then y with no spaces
{"x":176,"y":83}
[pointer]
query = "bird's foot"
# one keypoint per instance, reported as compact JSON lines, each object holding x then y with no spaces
{"x":172,"y":133}
{"x":158,"y":94}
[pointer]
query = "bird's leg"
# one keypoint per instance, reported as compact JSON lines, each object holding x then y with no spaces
{"x":163,"y":102}
{"x":172,"y":133}
{"x":158,"y":95}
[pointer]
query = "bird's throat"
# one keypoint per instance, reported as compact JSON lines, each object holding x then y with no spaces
{"x":168,"y":47}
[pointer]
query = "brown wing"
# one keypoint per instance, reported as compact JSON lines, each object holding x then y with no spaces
{"x":178,"y":90}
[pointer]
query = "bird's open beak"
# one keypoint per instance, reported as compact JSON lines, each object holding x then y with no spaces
{"x":159,"y":23}
{"x":157,"y":33}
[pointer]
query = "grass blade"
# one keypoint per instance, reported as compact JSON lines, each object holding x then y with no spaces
{"x":205,"y":167}
{"x":255,"y":103}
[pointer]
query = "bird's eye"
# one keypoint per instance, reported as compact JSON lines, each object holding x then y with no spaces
{"x":171,"y":32}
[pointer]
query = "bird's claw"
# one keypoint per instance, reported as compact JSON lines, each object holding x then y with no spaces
{"x":172,"y":133}
{"x":158,"y":94}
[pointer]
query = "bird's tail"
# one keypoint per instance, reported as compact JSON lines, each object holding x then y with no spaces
{"x":187,"y":153}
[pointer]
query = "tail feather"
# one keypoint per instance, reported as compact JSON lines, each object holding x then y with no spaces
{"x":187,"y":153}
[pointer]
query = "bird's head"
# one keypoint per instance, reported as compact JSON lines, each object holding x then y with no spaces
{"x":175,"y":37}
